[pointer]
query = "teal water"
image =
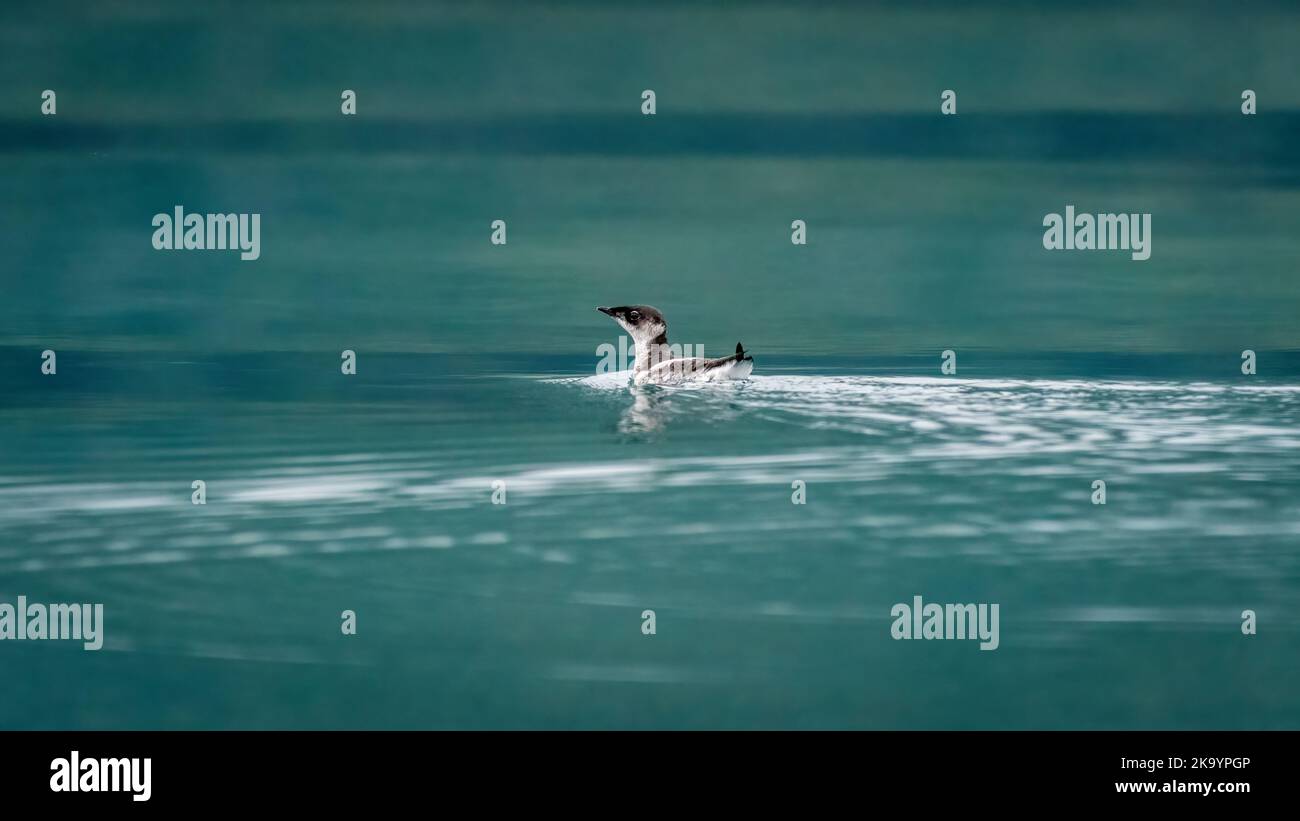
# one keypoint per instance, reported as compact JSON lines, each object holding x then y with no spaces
{"x":375,"y":495}
{"x":477,"y":364}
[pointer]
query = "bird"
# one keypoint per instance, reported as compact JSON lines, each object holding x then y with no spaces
{"x":655,"y":362}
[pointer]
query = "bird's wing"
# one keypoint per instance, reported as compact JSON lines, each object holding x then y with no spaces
{"x":688,"y":366}
{"x":682,"y":366}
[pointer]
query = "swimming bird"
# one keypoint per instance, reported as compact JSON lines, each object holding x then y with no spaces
{"x":655,"y":362}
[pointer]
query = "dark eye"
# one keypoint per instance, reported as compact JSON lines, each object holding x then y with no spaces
{"x":634,"y":315}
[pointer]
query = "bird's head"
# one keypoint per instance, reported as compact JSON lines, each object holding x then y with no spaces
{"x":643,"y":323}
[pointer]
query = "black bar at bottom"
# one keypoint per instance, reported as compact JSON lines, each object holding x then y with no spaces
{"x":334,"y":770}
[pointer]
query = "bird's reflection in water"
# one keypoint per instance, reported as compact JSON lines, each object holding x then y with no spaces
{"x":648,"y":412}
{"x":653,"y":406}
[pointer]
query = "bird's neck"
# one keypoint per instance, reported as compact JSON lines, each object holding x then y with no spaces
{"x":650,"y":352}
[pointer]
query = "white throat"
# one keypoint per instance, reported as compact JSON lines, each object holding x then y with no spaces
{"x":651,"y":346}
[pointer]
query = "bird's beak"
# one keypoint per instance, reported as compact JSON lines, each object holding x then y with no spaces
{"x":606,"y":311}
